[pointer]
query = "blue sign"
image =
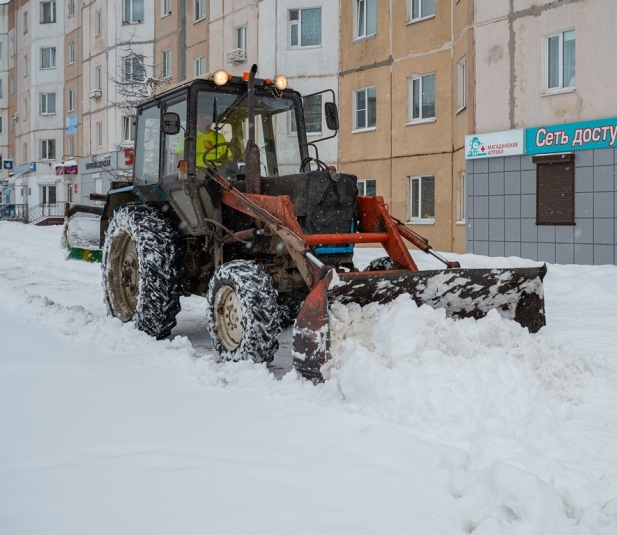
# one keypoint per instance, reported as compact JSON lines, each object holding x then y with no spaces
{"x":29,"y":167}
{"x":71,"y":124}
{"x":600,"y":134}
{"x":7,"y":164}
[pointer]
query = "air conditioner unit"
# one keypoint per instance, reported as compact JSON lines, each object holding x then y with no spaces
{"x":96,"y":94}
{"x":237,"y":55}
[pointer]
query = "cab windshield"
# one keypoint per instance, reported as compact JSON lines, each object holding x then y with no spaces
{"x":222,"y":133}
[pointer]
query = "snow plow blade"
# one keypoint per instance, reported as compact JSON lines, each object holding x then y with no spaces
{"x":517,"y":294}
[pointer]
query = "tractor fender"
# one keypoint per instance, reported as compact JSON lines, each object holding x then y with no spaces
{"x":129,"y":194}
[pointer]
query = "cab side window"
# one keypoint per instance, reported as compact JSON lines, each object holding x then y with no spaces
{"x":173,"y":146}
{"x":148,"y":145}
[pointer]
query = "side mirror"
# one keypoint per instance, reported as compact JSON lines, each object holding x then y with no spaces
{"x":171,"y":123}
{"x":331,"y":115}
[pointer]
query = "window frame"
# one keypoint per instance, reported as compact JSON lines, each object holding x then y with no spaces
{"x":356,"y":21}
{"x":99,"y":134}
{"x":131,"y":19}
{"x":461,"y":205}
{"x":25,"y":22}
{"x":365,"y":128}
{"x":24,"y":152}
{"x":461,"y":81}
{"x":25,"y":65}
{"x":298,"y":22}
{"x":71,"y":100}
{"x":410,"y":96}
{"x":71,"y":147}
{"x":419,"y":220}
{"x":165,"y":8}
{"x":200,"y":10}
{"x":128,"y":126}
{"x":293,"y":130}
{"x":53,"y":56}
{"x":71,"y":8}
{"x":50,"y":146}
{"x":44,"y":97}
{"x":411,"y":19}
{"x":98,"y":78}
{"x":364,"y":183}
{"x":98,"y":23}
{"x":241,"y":37}
{"x":129,"y":63}
{"x":560,"y":87}
{"x":53,"y":12}
{"x":199,"y":71}
{"x":167,"y":64}
{"x":25,"y":109}
{"x":71,"y":53}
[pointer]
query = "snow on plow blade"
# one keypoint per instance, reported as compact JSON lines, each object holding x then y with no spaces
{"x":517,"y":294}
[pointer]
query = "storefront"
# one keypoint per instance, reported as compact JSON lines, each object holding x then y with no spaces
{"x":99,"y":172}
{"x":545,"y":193}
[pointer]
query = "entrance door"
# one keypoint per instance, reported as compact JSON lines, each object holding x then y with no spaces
{"x":48,"y":194}
{"x":69,"y":193}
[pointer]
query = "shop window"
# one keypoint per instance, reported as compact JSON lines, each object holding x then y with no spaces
{"x":554,"y":189}
{"x":368,"y":187}
{"x":421,"y":198}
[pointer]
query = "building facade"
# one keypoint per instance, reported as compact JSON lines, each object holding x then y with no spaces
{"x":405,"y":85}
{"x":544,"y":69}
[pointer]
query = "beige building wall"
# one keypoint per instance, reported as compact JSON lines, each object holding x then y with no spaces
{"x":511,"y":62}
{"x":396,"y":150}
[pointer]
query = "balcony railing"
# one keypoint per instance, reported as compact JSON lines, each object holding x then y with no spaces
{"x":14,"y":212}
{"x":43,"y":211}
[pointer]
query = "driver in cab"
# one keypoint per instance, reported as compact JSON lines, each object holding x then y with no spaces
{"x":211,"y":147}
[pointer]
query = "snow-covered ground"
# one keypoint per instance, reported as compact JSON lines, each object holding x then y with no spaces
{"x":426,"y":425}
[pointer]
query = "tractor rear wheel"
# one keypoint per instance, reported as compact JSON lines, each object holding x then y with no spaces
{"x":242,"y":313}
{"x":141,"y":269}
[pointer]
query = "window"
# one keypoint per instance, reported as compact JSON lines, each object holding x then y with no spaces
{"x":48,"y":12}
{"x":48,"y":58}
{"x":12,"y":46}
{"x":1,"y":92}
{"x":0,"y":50}
{"x":167,"y":63}
{"x":461,"y":203}
{"x":71,"y":100}
{"x":422,"y":198}
{"x":12,"y":84}
{"x":25,"y":65}
{"x":421,"y":97}
{"x":133,"y":11}
{"x":48,"y":149}
{"x":98,"y":23}
{"x":25,"y":25}
{"x":561,"y":61}
{"x":366,"y":18}
{"x":13,"y":121}
{"x":200,"y":66}
{"x":200,"y":9}
{"x":134,"y":69}
{"x":312,"y":114}
{"x":304,"y":27}
{"x":71,"y":146}
{"x":241,"y":37}
{"x":48,"y":103}
{"x":0,"y":124}
{"x":420,"y":9}
{"x":99,"y":134}
{"x":128,"y":128}
{"x":98,"y":78}
{"x":98,"y":184}
{"x":71,"y":52}
{"x":365,"y":104}
{"x":554,"y":189}
{"x":25,"y":110}
{"x":71,"y":8}
{"x":165,"y":8}
{"x":24,"y":152}
{"x":367,"y":188}
{"x":461,"y":77}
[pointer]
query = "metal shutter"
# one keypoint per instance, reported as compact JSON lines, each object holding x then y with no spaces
{"x":555,"y":194}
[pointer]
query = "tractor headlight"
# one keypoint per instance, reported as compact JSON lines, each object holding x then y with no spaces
{"x":220,"y":78}
{"x":280,"y":82}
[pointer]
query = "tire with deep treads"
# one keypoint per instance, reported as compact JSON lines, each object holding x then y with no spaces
{"x":242,"y":312}
{"x":289,"y":307}
{"x":150,"y":294}
{"x":384,"y":263}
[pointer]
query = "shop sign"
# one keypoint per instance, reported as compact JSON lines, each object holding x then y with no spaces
{"x":601,"y":134}
{"x":509,"y":143}
{"x":71,"y":125}
{"x":7,"y":164}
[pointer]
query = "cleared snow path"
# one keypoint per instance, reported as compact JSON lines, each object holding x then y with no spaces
{"x":426,"y":426}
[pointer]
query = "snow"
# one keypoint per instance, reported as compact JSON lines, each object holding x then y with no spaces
{"x":426,"y":425}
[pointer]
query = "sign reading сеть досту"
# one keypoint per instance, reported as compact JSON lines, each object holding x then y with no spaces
{"x":600,"y":134}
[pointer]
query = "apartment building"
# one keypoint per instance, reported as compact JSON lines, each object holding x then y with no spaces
{"x":406,"y":93}
{"x":542,"y":163}
{"x":4,"y":103}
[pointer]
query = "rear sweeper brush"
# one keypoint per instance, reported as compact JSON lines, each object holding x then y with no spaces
{"x":227,"y":205}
